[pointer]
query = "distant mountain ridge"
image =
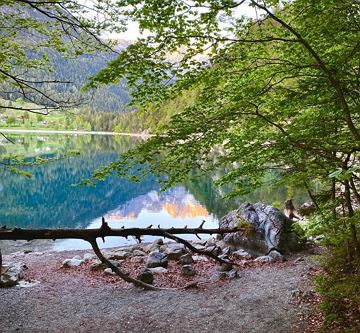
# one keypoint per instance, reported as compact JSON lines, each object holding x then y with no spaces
{"x":112,"y":98}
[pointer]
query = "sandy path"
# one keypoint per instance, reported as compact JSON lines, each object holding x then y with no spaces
{"x":259,"y":301}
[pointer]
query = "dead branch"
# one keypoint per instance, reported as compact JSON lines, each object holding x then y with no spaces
{"x":117,"y":270}
{"x":90,"y":235}
{"x":102,"y":232}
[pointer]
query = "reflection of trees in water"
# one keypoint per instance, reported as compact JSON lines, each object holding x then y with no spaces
{"x":212,"y":197}
{"x":63,"y":143}
{"x":47,"y":199}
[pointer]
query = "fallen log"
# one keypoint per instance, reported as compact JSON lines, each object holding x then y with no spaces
{"x":102,"y":232}
{"x":90,"y":235}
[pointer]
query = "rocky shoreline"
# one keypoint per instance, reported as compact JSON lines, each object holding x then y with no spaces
{"x":148,"y":261}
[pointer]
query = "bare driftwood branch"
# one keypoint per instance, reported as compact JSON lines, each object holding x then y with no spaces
{"x":90,"y":235}
{"x":117,"y":270}
{"x":102,"y":232}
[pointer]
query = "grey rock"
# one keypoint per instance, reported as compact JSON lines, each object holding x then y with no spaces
{"x":78,"y":257}
{"x":241,"y":254}
{"x":146,"y":277}
{"x":224,"y":267}
{"x":138,"y":253}
{"x":186,"y":259}
{"x":213,"y":249}
{"x":188,"y":270}
{"x":8,"y":281}
{"x":88,"y":256}
{"x":277,"y":256}
{"x":211,"y":242}
{"x":70,"y":263}
{"x":157,"y":270}
{"x":264,"y":259}
{"x":120,"y":255}
{"x":199,"y":247}
{"x":200,"y":258}
{"x":232,"y":274}
{"x":137,"y":259}
{"x":151,"y":248}
{"x":174,"y":251}
{"x":11,"y":274}
{"x":268,"y":229}
{"x":109,"y":271}
{"x":28,"y":283}
{"x":158,"y":241}
{"x":227,"y":250}
{"x":157,"y":259}
{"x":98,"y":266}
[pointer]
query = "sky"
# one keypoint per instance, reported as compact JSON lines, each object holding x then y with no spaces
{"x":133,"y":27}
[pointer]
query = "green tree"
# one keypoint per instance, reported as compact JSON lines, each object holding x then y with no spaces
{"x":279,"y":92}
{"x":275,"y":92}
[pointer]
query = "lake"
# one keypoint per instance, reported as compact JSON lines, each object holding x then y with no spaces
{"x":49,"y":200}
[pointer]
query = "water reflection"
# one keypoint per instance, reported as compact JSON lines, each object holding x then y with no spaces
{"x":173,"y":208}
{"x":48,"y":200}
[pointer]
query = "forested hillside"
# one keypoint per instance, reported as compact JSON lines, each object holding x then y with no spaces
{"x":112,"y":98}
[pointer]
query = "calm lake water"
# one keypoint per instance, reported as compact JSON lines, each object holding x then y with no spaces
{"x":48,"y":199}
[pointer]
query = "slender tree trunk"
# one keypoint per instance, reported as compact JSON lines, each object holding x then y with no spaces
{"x":333,"y":197}
{"x":352,"y":226}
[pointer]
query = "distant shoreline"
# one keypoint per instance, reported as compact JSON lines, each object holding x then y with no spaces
{"x":45,"y":131}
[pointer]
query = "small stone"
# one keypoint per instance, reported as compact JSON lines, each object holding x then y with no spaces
{"x":241,"y":254}
{"x":157,"y":259}
{"x":158,"y":270}
{"x":200,"y":258}
{"x":70,"y":263}
{"x":300,"y":259}
{"x":213,"y":249}
{"x":151,"y":248}
{"x":186,"y":259}
{"x":88,"y":256}
{"x":227,"y":250}
{"x":28,"y":284}
{"x":146,"y":277}
{"x":264,"y":259}
{"x":188,"y":270}
{"x":174,"y":251}
{"x":232,"y":274}
{"x":120,"y":255}
{"x":109,"y":271}
{"x":199,"y":247}
{"x":137,"y":260}
{"x":8,"y":281}
{"x":159,"y":241}
{"x":225,"y":266}
{"x":211,"y":242}
{"x":276,"y":255}
{"x":77,"y":257}
{"x":138,"y":253}
{"x":97,"y":266}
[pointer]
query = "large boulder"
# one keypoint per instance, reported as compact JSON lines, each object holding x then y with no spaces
{"x":266,"y":229}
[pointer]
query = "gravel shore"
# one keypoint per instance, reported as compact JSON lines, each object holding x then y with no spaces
{"x":74,"y":300}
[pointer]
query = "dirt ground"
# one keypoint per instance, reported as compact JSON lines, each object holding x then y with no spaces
{"x":77,"y":300}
